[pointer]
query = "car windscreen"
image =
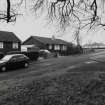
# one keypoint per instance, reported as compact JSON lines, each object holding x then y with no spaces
{"x":6,"y":58}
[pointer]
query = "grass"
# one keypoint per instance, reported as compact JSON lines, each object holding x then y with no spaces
{"x":84,"y":88}
{"x":79,"y":86}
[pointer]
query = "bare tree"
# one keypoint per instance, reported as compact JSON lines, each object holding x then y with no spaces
{"x":84,"y":13}
{"x":77,"y":13}
{"x":77,"y":36}
{"x":10,"y":14}
{"x":67,"y":12}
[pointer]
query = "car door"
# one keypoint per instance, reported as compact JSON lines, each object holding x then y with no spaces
{"x":19,"y":61}
{"x":12,"y":63}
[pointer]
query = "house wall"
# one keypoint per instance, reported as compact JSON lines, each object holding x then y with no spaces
{"x":59,"y":50}
{"x":8,"y":46}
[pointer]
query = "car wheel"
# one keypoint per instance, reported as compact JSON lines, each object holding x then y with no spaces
{"x":3,"y":68}
{"x":26,"y":65}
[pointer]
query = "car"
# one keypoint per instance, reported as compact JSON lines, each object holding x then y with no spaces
{"x":44,"y":53}
{"x":14,"y":61}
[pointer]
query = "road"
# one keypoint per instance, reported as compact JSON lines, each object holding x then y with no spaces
{"x":55,"y":66}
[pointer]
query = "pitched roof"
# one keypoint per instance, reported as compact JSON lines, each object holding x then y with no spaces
{"x":8,"y":37}
{"x":49,"y":40}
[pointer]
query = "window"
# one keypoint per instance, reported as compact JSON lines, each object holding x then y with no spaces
{"x":18,"y":57}
{"x":57,"y":47}
{"x":7,"y":57}
{"x":64,"y":47}
{"x":15,"y":45}
{"x":50,"y":46}
{"x":1,"y":44}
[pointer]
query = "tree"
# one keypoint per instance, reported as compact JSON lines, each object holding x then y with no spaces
{"x":7,"y":15}
{"x":77,"y":36}
{"x":10,"y":13}
{"x":78,"y":13}
{"x":82,"y":13}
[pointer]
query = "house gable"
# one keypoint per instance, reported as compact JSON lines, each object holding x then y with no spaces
{"x":9,"y":42}
{"x":8,"y":37}
{"x":33,"y":41}
{"x":46,"y":40}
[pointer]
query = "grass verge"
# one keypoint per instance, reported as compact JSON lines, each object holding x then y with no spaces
{"x":71,"y":88}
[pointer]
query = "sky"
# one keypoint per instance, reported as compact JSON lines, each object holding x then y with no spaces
{"x":28,"y":25}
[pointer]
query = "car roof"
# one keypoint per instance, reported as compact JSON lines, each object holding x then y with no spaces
{"x":14,"y":55}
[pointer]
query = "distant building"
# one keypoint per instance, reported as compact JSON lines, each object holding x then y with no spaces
{"x":9,"y":42}
{"x":51,"y":44}
{"x":94,"y":45}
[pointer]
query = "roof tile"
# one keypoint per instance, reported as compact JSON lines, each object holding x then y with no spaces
{"x":8,"y":37}
{"x":49,"y":40}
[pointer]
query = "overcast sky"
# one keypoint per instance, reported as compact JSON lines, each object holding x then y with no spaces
{"x":28,"y":25}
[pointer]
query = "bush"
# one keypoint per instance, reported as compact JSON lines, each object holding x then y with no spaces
{"x":43,"y":54}
{"x":32,"y":55}
{"x":74,"y":50}
{"x":46,"y":55}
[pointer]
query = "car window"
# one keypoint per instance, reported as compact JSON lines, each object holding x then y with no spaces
{"x":6,"y":58}
{"x":21,"y":56}
{"x":18,"y":57}
{"x":13,"y":58}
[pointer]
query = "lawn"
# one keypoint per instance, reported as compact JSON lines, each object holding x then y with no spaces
{"x":79,"y":86}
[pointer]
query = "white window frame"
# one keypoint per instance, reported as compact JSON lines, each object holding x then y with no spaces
{"x":57,"y":47}
{"x":64,"y":47}
{"x":50,"y":46}
{"x":15,"y":45}
{"x":1,"y":44}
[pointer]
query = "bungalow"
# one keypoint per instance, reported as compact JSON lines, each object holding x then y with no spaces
{"x":53,"y":45}
{"x":9,"y":42}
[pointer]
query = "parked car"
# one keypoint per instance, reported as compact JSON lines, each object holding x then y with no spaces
{"x":44,"y":53}
{"x":33,"y":55}
{"x":13,"y":61}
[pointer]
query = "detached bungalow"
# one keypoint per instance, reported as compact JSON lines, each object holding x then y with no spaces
{"x":9,"y":42}
{"x":53,"y":45}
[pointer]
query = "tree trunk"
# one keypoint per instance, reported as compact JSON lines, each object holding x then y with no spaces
{"x":8,"y":10}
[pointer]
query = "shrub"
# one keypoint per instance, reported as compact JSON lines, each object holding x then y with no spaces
{"x":46,"y":55}
{"x":32,"y":55}
{"x":74,"y":50}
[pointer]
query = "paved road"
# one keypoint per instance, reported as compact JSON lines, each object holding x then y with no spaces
{"x":54,"y":66}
